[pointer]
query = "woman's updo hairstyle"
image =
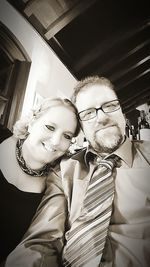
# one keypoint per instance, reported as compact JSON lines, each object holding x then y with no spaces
{"x":20,"y":128}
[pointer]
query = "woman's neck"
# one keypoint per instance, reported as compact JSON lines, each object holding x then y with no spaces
{"x":30,"y":161}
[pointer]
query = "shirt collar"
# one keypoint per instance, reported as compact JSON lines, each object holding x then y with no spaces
{"x":124,"y":152}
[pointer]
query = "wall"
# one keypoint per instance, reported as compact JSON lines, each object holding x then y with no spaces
{"x":48,"y":76}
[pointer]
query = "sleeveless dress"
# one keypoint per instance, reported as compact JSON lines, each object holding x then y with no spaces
{"x":17,"y":209}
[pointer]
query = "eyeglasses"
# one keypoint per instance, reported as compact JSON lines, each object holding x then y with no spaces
{"x":91,"y":113}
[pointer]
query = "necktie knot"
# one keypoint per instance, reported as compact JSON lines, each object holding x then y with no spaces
{"x":111,"y":162}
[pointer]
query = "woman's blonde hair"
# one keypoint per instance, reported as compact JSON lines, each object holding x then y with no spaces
{"x":20,"y":128}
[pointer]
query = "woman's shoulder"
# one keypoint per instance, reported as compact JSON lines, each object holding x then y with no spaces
{"x":9,"y":143}
{"x":7,"y":150}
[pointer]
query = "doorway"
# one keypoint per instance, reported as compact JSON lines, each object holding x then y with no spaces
{"x":14,"y":70}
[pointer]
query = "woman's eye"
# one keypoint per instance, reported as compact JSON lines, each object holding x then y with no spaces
{"x":67,"y":136}
{"x":49,"y":127}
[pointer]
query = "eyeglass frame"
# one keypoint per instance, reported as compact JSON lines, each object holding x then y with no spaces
{"x":100,"y":108}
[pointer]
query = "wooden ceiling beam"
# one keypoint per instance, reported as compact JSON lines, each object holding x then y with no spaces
{"x":128,"y":59}
{"x":132,"y":97}
{"x":30,"y":7}
{"x":97,"y":52}
{"x":107,"y":67}
{"x":130,"y":81}
{"x":122,"y":72}
{"x":144,"y":98}
{"x":57,"y":47}
{"x":67,"y":17}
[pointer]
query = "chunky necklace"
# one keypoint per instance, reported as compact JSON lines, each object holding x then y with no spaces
{"x":41,"y":172}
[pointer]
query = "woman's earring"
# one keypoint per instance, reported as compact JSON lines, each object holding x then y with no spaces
{"x":73,"y":145}
{"x":73,"y":140}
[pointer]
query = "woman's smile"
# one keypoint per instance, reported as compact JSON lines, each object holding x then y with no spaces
{"x":48,"y":147}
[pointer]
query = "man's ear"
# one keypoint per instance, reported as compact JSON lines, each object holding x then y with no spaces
{"x":124,"y":116}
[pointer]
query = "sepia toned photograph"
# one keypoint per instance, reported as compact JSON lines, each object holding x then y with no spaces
{"x":74,"y":133}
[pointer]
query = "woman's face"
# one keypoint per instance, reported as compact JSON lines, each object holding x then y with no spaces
{"x":50,"y":135}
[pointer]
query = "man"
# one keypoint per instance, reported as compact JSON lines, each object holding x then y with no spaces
{"x":126,"y":241}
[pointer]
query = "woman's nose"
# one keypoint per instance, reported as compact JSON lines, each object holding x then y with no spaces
{"x":55,"y":139}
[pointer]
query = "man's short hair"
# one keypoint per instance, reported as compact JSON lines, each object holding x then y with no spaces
{"x":88,"y":81}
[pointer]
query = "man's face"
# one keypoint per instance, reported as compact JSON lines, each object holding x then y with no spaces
{"x":106,"y":131}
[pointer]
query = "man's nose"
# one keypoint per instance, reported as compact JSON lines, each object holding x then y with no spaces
{"x":101,"y":116}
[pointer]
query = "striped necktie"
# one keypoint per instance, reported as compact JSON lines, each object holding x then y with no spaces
{"x":87,"y":236}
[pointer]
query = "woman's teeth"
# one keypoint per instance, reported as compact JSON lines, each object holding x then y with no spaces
{"x":49,"y":148}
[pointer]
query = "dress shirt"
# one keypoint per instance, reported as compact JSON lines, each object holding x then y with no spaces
{"x":128,"y":242}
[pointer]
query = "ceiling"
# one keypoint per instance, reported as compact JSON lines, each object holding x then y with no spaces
{"x":110,"y":38}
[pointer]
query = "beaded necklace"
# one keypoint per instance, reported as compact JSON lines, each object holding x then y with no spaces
{"x":41,"y":172}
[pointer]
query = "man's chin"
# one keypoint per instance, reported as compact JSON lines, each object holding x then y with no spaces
{"x":107,"y":145}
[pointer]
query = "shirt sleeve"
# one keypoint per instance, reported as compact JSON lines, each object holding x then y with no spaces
{"x":43,"y":242}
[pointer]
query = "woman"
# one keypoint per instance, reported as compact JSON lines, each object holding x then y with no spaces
{"x":26,"y":158}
